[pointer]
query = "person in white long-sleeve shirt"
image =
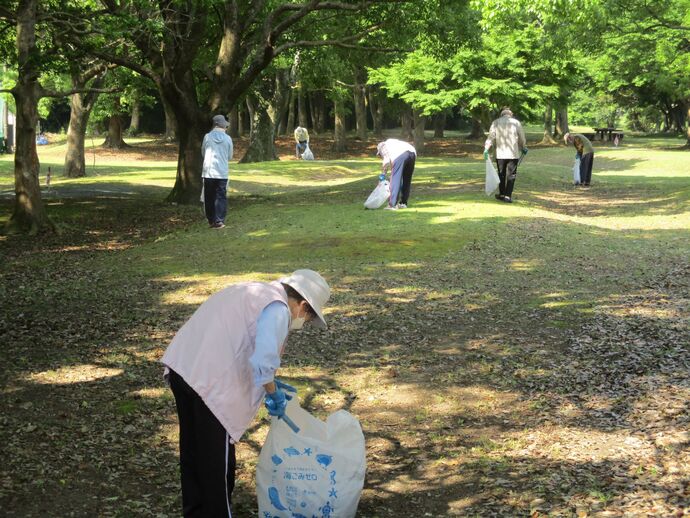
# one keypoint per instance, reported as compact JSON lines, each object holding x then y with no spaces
{"x":509,"y":138}
{"x":221,"y":364}
{"x":399,"y":157}
{"x":217,"y":150}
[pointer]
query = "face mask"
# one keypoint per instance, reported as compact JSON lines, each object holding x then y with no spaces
{"x":297,"y":323}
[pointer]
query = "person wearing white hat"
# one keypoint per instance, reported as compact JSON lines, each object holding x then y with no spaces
{"x":221,"y":364}
{"x":217,"y":150}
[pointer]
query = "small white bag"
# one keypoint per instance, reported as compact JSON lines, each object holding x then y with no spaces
{"x":379,"y":195}
{"x":576,"y":172}
{"x":316,"y":472}
{"x":307,"y":155}
{"x":492,"y":180}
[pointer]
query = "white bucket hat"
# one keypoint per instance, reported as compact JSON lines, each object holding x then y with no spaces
{"x":313,"y":288}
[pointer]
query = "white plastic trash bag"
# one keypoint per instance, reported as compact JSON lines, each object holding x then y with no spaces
{"x":379,"y":195}
{"x":492,"y":180}
{"x":576,"y":172}
{"x":316,"y":472}
{"x":307,"y":155}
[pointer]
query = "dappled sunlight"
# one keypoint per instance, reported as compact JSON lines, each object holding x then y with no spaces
{"x":73,"y":374}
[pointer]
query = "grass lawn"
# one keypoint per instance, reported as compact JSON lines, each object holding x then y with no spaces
{"x":504,"y":360}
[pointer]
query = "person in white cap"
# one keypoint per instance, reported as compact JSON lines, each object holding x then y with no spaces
{"x":217,"y":150}
{"x":221,"y":364}
{"x":507,"y":134}
{"x":399,"y":157}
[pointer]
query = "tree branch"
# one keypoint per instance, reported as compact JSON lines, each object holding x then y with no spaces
{"x":52,"y":93}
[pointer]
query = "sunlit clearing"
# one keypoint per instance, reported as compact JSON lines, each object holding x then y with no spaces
{"x":83,"y":373}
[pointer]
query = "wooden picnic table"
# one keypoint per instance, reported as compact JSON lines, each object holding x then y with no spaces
{"x":609,"y":132}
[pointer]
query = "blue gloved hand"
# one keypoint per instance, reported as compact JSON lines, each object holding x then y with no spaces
{"x":285,"y":386}
{"x":524,"y":150}
{"x":486,"y":154}
{"x":276,"y":403}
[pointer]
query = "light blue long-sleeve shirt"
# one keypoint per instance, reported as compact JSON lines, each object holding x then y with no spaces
{"x":217,"y":151}
{"x":271,"y":331}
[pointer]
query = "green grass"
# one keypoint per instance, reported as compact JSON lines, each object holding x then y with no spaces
{"x":454,"y":324}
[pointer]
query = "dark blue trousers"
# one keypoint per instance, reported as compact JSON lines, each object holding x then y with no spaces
{"x":215,"y":199}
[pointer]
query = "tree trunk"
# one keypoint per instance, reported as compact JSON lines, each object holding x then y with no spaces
{"x":29,"y":214}
{"x":318,"y":112}
{"x":548,"y":125}
{"x":406,"y":125}
{"x":290,"y":129}
{"x":687,"y":130}
{"x":477,"y":131}
{"x":234,"y":123}
{"x":80,"y":111}
{"x":241,"y":123}
{"x":419,"y":124}
{"x":359,"y":98}
{"x":439,"y":124}
{"x":135,"y":119}
{"x":192,"y":124}
{"x":170,"y":121}
{"x":302,"y":108}
{"x":264,"y":104}
{"x":561,"y":122}
{"x":339,"y":142}
{"x":279,"y":105}
{"x":114,"y":139}
{"x":376,"y":108}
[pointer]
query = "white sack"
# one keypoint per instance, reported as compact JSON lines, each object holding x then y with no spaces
{"x":379,"y":195}
{"x":576,"y":172}
{"x":316,"y":472}
{"x":307,"y":155}
{"x":492,"y":180}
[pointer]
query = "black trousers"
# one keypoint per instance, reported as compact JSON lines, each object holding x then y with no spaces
{"x":407,"y":172}
{"x":507,"y":172}
{"x":586,"y":163}
{"x":215,"y":199}
{"x":207,"y":459}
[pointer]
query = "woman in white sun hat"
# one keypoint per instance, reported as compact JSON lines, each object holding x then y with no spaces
{"x":221,"y":365}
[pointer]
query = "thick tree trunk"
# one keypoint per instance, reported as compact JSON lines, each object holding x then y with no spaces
{"x":561,"y":122}
{"x":29,"y":214}
{"x":192,"y":124}
{"x":339,"y":141}
{"x":406,"y":125}
{"x":477,"y":131}
{"x":419,"y":125}
{"x":439,"y":124}
{"x":263,"y":102}
{"x":360,"y":102}
{"x":170,"y":134}
{"x":80,"y":111}
{"x":548,"y":125}
{"x":241,"y":123}
{"x":135,"y":119}
{"x":75,"y":161}
{"x":114,"y":139}
{"x":233,"y":130}
{"x":290,"y":129}
{"x":279,"y":105}
{"x":302,"y":108}
{"x":318,"y":112}
{"x":376,"y":108}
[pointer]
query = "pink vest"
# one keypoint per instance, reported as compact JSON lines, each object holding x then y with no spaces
{"x":212,"y":350}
